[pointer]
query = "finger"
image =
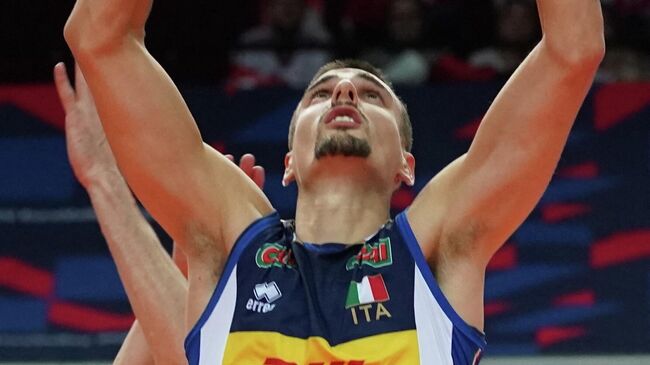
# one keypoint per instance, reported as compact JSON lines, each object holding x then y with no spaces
{"x":259,"y":176}
{"x":230,"y":157}
{"x":66,"y":93}
{"x":246,"y":163}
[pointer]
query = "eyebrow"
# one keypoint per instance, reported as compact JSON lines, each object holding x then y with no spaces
{"x":374,"y":81}
{"x":364,"y":76}
{"x":321,"y":81}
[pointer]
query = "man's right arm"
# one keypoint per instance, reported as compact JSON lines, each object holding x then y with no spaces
{"x":189,"y":188}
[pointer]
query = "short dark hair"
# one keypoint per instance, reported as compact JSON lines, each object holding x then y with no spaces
{"x":405,"y":128}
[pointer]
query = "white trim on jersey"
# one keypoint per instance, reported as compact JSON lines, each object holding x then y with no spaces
{"x":434,"y":328}
{"x":215,"y":331}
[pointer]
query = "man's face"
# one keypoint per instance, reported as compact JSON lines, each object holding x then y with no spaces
{"x":348,"y":116}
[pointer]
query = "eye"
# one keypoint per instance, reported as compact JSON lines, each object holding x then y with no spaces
{"x":372,"y":96}
{"x":320,"y":94}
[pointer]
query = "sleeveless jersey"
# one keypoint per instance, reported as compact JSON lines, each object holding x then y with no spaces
{"x":283,"y":302}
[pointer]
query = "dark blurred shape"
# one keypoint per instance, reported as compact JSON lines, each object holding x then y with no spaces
{"x":287,"y":40}
{"x":31,"y":35}
{"x":355,"y":23}
{"x":287,"y":48}
{"x":627,"y":34}
{"x":189,"y":39}
{"x":405,"y":54}
{"x":461,"y":26}
{"x":516,"y":30}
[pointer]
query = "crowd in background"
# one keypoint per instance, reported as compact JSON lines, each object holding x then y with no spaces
{"x":419,"y":41}
{"x":252,"y":43}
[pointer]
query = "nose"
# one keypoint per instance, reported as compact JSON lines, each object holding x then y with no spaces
{"x":345,"y":93}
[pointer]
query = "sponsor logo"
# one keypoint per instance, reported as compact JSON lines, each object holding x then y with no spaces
{"x":275,"y":361}
{"x":375,"y":255}
{"x":361,"y":297}
{"x":274,"y":255}
{"x":265,"y":294}
{"x":268,"y":291}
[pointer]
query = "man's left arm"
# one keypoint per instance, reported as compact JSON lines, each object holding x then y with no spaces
{"x":472,"y":206}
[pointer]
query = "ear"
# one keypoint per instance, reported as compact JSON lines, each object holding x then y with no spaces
{"x":288,"y":169}
{"x":406,"y":173}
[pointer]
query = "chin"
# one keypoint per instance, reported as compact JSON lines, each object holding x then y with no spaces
{"x":344,"y":145}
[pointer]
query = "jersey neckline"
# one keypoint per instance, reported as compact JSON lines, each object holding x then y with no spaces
{"x":334,"y":247}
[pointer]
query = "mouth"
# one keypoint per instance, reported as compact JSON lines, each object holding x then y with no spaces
{"x":343,"y":117}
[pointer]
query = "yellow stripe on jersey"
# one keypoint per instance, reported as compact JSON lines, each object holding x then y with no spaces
{"x":271,"y":348}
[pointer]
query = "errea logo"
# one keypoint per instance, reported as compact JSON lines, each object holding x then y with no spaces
{"x":265,"y":294}
{"x":268,"y":291}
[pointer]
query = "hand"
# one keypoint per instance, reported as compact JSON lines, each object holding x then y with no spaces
{"x":247,"y":164}
{"x":88,"y":151}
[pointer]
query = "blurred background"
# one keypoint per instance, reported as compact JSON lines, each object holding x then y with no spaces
{"x":573,"y":280}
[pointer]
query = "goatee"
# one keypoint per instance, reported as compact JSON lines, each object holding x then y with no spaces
{"x":341,"y":144}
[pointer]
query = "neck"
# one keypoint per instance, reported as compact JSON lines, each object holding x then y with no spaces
{"x":338,"y":209}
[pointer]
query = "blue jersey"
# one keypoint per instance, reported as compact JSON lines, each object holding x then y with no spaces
{"x":284,"y":302}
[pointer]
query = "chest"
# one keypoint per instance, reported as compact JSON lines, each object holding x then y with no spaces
{"x":339,"y":293}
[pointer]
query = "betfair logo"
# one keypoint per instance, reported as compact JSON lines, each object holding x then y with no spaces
{"x":274,"y":361}
{"x":375,"y":255}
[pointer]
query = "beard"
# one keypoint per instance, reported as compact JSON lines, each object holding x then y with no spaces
{"x":341,"y":144}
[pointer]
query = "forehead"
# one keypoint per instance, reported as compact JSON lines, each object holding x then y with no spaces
{"x":351,"y":74}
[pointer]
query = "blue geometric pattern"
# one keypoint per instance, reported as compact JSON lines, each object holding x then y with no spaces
{"x":575,"y":277}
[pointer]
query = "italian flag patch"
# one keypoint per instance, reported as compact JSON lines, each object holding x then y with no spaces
{"x":371,"y":289}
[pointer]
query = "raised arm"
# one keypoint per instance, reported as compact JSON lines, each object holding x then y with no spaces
{"x":156,"y":289}
{"x":471,"y":207}
{"x":187,"y":186}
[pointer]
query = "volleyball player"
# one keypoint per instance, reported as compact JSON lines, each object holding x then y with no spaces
{"x":343,"y":283}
